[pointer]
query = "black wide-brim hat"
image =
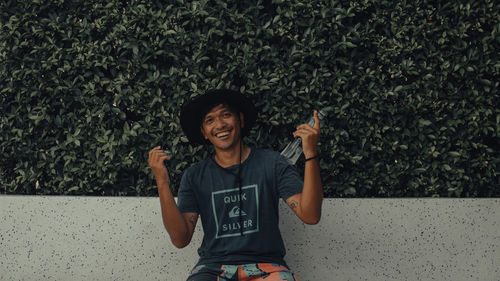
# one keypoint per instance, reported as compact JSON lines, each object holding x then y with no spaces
{"x":194,"y":111}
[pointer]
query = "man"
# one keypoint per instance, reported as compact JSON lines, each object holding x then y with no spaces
{"x":236,"y":192}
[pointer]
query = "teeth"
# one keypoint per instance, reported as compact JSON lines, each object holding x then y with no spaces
{"x":223,"y":134}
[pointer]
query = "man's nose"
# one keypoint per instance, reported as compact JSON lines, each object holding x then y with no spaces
{"x":219,"y":122}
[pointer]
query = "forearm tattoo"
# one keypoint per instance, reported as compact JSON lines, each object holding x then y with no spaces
{"x":294,"y":205}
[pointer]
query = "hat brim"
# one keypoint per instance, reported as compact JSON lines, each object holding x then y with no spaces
{"x":192,"y":112}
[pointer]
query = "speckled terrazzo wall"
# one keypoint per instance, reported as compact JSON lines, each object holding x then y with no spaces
{"x":122,"y":238}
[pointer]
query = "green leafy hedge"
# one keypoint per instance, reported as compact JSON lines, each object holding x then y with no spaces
{"x":87,"y":88}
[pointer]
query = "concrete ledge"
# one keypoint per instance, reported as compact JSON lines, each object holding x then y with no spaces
{"x":122,"y":238}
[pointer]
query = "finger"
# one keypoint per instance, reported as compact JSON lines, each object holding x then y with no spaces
{"x":161,"y":153}
{"x":153,"y":150}
{"x":300,"y":133}
{"x":151,"y":153}
{"x":308,"y":128}
{"x":154,"y":154}
{"x":166,"y":154}
{"x":316,"y":120}
{"x":163,"y":158}
{"x":304,"y":126}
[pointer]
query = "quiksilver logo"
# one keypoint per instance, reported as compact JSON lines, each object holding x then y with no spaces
{"x":230,"y":220}
{"x":235,"y":198}
{"x":235,"y":212}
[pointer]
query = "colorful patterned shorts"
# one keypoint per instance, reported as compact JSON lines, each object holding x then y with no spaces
{"x":254,"y":272}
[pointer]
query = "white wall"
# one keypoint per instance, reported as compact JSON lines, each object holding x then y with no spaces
{"x":122,"y":238}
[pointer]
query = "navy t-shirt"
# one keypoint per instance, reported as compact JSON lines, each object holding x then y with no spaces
{"x":212,"y":191}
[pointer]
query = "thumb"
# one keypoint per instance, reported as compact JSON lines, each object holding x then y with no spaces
{"x":316,"y":120}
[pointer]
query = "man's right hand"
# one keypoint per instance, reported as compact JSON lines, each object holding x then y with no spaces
{"x":180,"y":226}
{"x":156,"y":158}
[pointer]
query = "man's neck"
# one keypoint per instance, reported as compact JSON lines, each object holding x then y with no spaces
{"x":227,"y":158}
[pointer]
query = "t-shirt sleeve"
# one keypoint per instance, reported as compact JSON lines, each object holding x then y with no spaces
{"x":289,"y":180}
{"x":186,"y":199}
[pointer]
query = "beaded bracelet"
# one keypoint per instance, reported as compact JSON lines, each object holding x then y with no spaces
{"x":314,"y":157}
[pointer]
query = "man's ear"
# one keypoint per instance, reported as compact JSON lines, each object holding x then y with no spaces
{"x":203,"y":132}
{"x":242,"y":120}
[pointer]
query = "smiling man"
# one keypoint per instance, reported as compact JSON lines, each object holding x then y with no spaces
{"x":236,"y":192}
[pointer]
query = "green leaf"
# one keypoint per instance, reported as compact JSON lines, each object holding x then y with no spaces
{"x":424,"y":122}
{"x":420,"y":170}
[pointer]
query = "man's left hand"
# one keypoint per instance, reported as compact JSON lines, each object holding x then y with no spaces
{"x":309,"y":136}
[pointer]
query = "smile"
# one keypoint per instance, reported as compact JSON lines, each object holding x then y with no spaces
{"x":222,"y":134}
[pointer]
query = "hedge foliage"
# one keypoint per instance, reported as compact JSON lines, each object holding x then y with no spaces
{"x":87,"y":88}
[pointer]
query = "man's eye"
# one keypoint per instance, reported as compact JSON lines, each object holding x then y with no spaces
{"x":227,"y":114}
{"x":208,"y":121}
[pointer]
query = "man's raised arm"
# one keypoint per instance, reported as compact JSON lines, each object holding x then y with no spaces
{"x":307,"y":204}
{"x":180,"y":226}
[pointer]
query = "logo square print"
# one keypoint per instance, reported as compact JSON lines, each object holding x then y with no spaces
{"x":226,"y":209}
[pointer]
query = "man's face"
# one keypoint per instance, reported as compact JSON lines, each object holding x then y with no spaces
{"x":221,"y":126}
